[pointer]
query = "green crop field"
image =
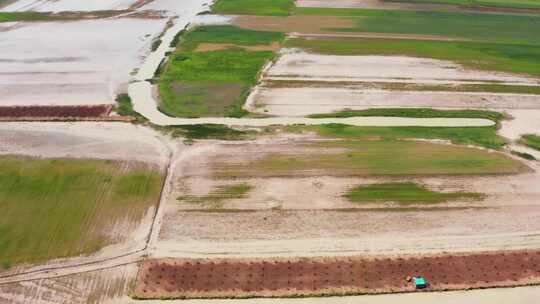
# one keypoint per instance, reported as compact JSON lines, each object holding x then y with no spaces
{"x":253,"y":7}
{"x":499,"y":28}
{"x":371,"y":157}
{"x":227,"y":34}
{"x":514,"y":58}
{"x":53,"y":208}
{"x":213,"y":83}
{"x":489,"y":3}
{"x":531,"y":140}
{"x":404,"y":194}
{"x":24,"y":16}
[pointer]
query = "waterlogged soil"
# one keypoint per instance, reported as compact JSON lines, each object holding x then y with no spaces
{"x":185,"y":278}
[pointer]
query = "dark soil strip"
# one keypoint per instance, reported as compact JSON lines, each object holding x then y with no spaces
{"x":214,"y":278}
{"x":56,"y":111}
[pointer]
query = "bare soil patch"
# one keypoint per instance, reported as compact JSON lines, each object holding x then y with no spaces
{"x":184,"y":278}
{"x":297,"y":23}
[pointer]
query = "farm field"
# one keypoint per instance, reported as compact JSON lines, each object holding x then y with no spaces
{"x":340,"y":276}
{"x":213,"y":81}
{"x":83,"y":200}
{"x":162,"y":149}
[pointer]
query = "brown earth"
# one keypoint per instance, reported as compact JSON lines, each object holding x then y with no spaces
{"x":56,"y":111}
{"x":207,"y":278}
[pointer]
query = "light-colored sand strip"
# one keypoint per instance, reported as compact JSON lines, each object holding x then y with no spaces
{"x":144,"y":103}
{"x":348,"y":246}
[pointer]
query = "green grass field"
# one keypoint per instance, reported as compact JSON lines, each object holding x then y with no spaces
{"x":524,"y":59}
{"x":53,"y":208}
{"x":531,"y":140}
{"x":213,"y":83}
{"x":415,"y":112}
{"x":253,"y":7}
{"x":371,"y":157}
{"x":489,"y":3}
{"x":24,"y":16}
{"x":404,"y":194}
{"x":496,"y":28}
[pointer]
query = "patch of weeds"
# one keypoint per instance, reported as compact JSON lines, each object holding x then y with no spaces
{"x":531,"y":141}
{"x":404,"y":194}
{"x":217,"y":196}
{"x":205,"y":131}
{"x":124,"y":107}
{"x":155,"y":45}
{"x":523,"y":155}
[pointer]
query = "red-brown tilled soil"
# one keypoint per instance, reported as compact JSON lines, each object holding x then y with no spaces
{"x":194,"y":278}
{"x":56,"y":111}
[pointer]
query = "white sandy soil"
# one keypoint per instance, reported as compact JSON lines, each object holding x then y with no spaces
{"x":305,"y":66}
{"x":302,"y":101}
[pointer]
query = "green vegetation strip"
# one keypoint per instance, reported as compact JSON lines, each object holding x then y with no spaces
{"x":479,"y":136}
{"x":253,"y":7}
{"x":404,"y":194}
{"x":397,"y":86}
{"x":372,"y":157}
{"x":473,"y":3}
{"x":531,"y":140}
{"x":213,"y":83}
{"x":485,"y":56}
{"x":24,"y":16}
{"x":500,"y":28}
{"x":53,"y":208}
{"x":415,"y":112}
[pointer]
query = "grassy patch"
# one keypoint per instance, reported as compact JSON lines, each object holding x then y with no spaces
{"x":371,"y":157}
{"x":24,"y":16}
{"x":524,"y":155}
{"x":254,"y":7}
{"x":218,"y":196}
{"x":479,"y":136}
{"x":213,"y":83}
{"x":404,"y":194}
{"x":124,"y":107}
{"x":415,"y":112}
{"x":54,"y":208}
{"x":513,"y":58}
{"x":489,"y":3}
{"x":531,"y":140}
{"x":227,"y":34}
{"x":205,"y":131}
{"x":504,"y":28}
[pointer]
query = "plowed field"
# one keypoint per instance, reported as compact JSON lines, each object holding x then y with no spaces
{"x":56,"y":111}
{"x":182,"y":278}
